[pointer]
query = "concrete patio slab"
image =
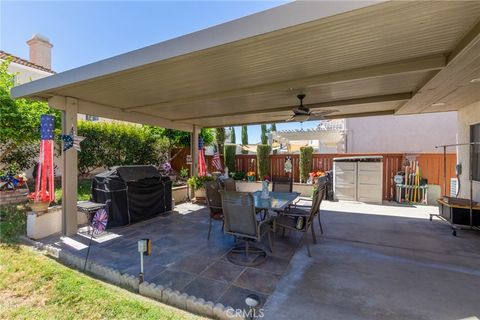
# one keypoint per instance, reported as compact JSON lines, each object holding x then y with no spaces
{"x":381,"y":262}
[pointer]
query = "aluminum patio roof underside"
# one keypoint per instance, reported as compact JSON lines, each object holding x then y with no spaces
{"x":356,"y":58}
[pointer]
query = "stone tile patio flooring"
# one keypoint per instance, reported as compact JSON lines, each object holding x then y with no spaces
{"x":183,"y":259}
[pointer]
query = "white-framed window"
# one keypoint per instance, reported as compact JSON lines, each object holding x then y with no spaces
{"x":91,"y":118}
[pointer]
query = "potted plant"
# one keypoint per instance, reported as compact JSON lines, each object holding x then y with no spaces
{"x":196,"y":184}
{"x":251,"y":176}
{"x":37,"y":204}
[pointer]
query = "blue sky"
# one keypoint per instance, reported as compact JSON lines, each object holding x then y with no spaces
{"x":85,"y":32}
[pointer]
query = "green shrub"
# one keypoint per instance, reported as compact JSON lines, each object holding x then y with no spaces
{"x":110,"y":144}
{"x":184,"y":172}
{"x":263,"y":160}
{"x":306,"y":156}
{"x":196,"y":183}
{"x":229,"y":155}
{"x":239,"y":175}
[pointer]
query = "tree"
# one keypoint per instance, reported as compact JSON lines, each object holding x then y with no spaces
{"x":178,"y":139}
{"x":244,"y":138}
{"x":233,"y":138}
{"x":264,"y":134}
{"x":306,"y":157}
{"x":229,"y":156}
{"x":220,"y":138}
{"x":273,"y":128}
{"x":263,"y":161}
{"x":20,"y":125}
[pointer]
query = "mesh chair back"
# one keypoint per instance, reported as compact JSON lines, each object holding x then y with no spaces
{"x":229,"y":184}
{"x":214,"y":199}
{"x":282,"y":184}
{"x":239,"y":214}
{"x":318,"y":195}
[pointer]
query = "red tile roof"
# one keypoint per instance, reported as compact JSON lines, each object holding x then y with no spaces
{"x":4,"y":55}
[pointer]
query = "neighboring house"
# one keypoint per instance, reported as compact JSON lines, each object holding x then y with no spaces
{"x":328,"y":137}
{"x":39,"y":65}
{"x":418,"y":133}
{"x":381,"y":134}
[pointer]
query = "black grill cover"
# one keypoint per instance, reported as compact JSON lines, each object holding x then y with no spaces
{"x":132,"y":193}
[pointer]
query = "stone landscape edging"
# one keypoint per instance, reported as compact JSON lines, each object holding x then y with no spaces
{"x":154,"y":291}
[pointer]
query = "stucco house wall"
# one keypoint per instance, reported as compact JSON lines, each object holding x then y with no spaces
{"x":467,"y":116}
{"x":24,"y":74}
{"x":407,"y":133}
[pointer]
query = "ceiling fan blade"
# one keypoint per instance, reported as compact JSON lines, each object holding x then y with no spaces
{"x":292,"y":118}
{"x":300,"y":111}
{"x":323,"y":112}
{"x":316,"y":117}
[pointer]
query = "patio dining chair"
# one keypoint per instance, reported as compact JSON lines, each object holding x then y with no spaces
{"x":282,"y":184}
{"x":240,"y":221}
{"x":322,"y":186}
{"x":214,"y":203}
{"x":228,"y":184}
{"x":300,"y":220}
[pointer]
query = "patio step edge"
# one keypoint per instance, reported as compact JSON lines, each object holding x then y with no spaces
{"x":153,"y":291}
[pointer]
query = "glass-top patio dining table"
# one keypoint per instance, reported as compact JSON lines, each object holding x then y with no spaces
{"x":277,"y":201}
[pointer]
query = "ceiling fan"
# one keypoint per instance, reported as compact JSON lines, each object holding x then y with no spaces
{"x":303,"y":113}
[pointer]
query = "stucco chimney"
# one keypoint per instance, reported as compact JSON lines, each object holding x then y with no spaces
{"x":40,"y":51}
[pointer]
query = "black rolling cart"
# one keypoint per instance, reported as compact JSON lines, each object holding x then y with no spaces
{"x":460,"y":213}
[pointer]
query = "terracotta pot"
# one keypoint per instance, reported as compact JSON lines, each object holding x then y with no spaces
{"x":39,"y":206}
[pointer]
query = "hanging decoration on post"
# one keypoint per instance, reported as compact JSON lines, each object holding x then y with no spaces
{"x":71,"y":140}
{"x":288,"y":164}
{"x":202,"y":168}
{"x":44,"y":188}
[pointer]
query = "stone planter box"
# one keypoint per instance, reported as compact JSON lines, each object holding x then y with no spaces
{"x":200,"y":195}
{"x":305,"y":190}
{"x":13,"y":196}
{"x":43,"y":225}
{"x":180,"y":194}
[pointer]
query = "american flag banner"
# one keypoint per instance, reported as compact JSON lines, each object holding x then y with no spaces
{"x":217,"y":164}
{"x":44,"y":187}
{"x":202,"y":168}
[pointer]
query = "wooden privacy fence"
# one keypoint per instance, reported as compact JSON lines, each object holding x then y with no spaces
{"x":431,"y":165}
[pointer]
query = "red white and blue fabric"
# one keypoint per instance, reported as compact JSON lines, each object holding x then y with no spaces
{"x":216,"y":163}
{"x":202,"y":168}
{"x":44,"y":187}
{"x":99,"y":221}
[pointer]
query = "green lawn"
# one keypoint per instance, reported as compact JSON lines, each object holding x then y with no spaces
{"x":33,"y":286}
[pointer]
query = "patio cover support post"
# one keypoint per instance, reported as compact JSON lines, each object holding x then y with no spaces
{"x":69,"y":171}
{"x":194,"y":145}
